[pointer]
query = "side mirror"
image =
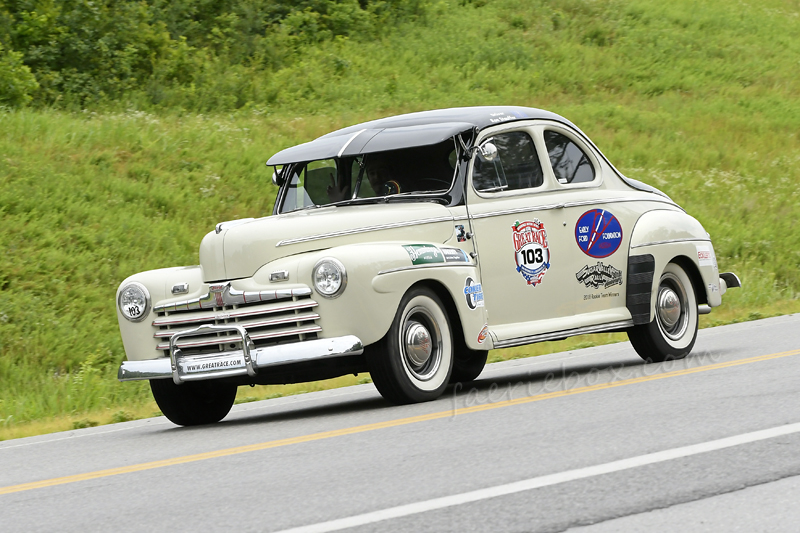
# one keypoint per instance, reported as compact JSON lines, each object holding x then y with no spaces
{"x":277,"y":179}
{"x":488,"y":151}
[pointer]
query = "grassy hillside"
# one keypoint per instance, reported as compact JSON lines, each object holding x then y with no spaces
{"x":700,"y":99}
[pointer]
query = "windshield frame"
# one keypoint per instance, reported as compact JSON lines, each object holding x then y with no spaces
{"x":345,"y":166}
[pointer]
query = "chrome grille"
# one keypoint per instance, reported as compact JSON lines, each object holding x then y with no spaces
{"x":269,"y":317}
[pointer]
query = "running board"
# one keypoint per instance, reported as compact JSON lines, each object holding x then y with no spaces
{"x":558,"y":335}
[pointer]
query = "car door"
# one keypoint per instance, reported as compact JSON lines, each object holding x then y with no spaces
{"x":522,"y":239}
{"x":600,"y":214}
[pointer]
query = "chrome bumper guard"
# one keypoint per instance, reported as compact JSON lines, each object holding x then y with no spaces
{"x":242,"y":362}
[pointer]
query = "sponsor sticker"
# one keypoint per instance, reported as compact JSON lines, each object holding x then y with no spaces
{"x":473,"y":293}
{"x":461,"y":233}
{"x":483,"y":334}
{"x":598,"y":233}
{"x":422,"y":254}
{"x":599,"y":275}
{"x":705,"y":256}
{"x":454,"y":255}
{"x":531,"y":251}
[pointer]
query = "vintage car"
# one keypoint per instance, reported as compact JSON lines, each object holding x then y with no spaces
{"x":409,"y":246}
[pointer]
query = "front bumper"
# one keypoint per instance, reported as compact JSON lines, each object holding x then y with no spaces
{"x":239,"y":362}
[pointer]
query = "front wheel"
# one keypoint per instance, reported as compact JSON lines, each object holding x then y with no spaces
{"x":193,"y":403}
{"x":412,"y":363}
{"x":468,"y":364}
{"x":673,"y":330}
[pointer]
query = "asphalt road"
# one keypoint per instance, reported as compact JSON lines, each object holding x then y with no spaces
{"x":592,"y":439}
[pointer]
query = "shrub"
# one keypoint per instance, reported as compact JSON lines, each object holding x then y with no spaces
{"x":17,"y":84}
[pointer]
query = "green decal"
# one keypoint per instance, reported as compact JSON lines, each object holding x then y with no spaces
{"x":422,"y":254}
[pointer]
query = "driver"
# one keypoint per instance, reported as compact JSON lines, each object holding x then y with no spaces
{"x":381,"y":176}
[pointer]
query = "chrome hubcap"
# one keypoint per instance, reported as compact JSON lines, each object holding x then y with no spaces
{"x":418,"y":344}
{"x":421,"y":343}
{"x":672,"y":313}
{"x":669,"y":307}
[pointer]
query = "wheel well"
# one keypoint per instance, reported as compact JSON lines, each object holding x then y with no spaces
{"x":449,"y":307}
{"x":694,"y":274}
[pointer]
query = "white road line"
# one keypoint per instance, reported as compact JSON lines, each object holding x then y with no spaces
{"x":544,"y":481}
{"x":76,"y":434}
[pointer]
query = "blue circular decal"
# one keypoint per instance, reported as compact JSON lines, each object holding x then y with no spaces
{"x":598,"y":233}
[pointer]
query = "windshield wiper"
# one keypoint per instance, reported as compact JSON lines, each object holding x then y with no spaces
{"x":357,"y":201}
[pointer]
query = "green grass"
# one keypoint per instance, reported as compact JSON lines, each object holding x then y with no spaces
{"x":699,"y":99}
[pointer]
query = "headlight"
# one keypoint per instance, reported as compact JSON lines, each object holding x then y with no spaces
{"x":329,"y":277}
{"x":134,"y":302}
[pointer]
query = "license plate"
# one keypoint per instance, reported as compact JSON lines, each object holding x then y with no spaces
{"x":210,"y":364}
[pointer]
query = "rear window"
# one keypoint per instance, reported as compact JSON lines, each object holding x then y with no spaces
{"x":570,"y":163}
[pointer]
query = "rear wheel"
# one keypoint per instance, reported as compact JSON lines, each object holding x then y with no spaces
{"x":673,"y":331}
{"x":412,"y":363}
{"x":195,"y":402}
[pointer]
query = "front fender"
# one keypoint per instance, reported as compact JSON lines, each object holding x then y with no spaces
{"x":378,"y":275}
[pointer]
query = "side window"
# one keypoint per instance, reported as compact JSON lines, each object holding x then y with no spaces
{"x":570,"y":163}
{"x":310,"y":185}
{"x":515,"y":166}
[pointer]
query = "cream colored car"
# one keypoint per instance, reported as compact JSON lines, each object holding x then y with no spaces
{"x":408,"y":247}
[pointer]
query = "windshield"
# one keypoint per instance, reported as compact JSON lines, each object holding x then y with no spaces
{"x":425,"y":170}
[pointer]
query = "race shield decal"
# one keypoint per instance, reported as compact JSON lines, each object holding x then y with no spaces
{"x":598,"y":233}
{"x":531,"y":250}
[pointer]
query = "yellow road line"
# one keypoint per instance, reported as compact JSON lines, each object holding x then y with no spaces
{"x":379,"y":425}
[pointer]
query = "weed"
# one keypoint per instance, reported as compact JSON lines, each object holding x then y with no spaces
{"x":121,"y":416}
{"x":245,"y":399}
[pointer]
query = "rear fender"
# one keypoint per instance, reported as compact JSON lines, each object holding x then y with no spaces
{"x":673,"y":236}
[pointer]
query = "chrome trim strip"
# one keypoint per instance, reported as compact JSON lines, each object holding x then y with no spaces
{"x":211,"y":341}
{"x":166,"y":334}
{"x":222,"y":295}
{"x":528,"y":209}
{"x":620,"y":200}
{"x":237,"y":313}
{"x":541,"y":337}
{"x":351,"y":139}
{"x":365,"y":229}
{"x":670,"y":241}
{"x":281,"y":354}
{"x":703,"y":309}
{"x":434,"y":265}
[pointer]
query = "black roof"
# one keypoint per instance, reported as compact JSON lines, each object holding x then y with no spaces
{"x":405,"y":131}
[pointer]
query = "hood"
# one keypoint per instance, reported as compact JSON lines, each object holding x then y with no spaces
{"x":238,"y":249}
